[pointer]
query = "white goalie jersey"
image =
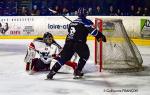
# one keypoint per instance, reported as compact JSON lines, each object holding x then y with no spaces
{"x":48,"y":54}
{"x":38,"y":49}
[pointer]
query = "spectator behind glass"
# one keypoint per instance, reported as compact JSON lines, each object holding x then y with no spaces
{"x":111,"y":11}
{"x":132,"y":11}
{"x":90,"y":11}
{"x":65,"y":11}
{"x":57,"y":10}
{"x":76,"y":13}
{"x":25,"y":11}
{"x":146,"y":12}
{"x":119,"y":13}
{"x":139,"y":12}
{"x":98,"y":11}
{"x":35,"y":11}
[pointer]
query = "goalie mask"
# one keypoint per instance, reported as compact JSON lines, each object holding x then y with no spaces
{"x":48,"y":38}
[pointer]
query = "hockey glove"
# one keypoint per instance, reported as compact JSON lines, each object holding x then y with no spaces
{"x":103,"y":38}
{"x":54,"y":55}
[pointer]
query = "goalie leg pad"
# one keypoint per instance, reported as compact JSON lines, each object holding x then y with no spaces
{"x":30,"y":55}
{"x":27,"y":66}
{"x":71,"y":64}
{"x":39,"y":65}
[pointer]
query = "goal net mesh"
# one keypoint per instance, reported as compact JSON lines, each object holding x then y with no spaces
{"x":119,"y":53}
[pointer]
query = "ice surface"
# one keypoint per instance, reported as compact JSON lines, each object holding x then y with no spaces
{"x":14,"y":80}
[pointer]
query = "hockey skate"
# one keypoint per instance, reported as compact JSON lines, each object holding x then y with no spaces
{"x":78,"y":74}
{"x":50,"y":75}
{"x":32,"y":71}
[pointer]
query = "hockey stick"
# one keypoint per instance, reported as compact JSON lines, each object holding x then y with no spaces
{"x":66,"y":18}
{"x":61,"y":15}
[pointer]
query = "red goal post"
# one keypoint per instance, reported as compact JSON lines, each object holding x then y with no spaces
{"x":98,"y":25}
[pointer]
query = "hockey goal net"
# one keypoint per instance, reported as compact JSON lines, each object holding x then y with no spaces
{"x":119,"y":53}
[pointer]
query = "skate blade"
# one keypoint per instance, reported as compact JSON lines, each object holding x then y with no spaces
{"x":31,"y":72}
{"x":78,"y":77}
{"x":48,"y":79}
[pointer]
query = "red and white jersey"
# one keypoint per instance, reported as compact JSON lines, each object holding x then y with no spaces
{"x":41,"y":47}
{"x":42,"y":50}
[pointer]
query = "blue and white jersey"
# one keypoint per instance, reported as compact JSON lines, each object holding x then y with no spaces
{"x":80,"y":28}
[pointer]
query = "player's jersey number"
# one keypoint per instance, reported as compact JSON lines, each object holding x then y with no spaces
{"x":72,"y":31}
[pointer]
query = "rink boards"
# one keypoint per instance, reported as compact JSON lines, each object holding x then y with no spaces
{"x":141,"y":42}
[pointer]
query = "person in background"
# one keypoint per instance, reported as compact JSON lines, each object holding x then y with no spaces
{"x":35,"y":11}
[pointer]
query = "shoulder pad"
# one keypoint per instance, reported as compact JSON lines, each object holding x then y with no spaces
{"x":86,"y":22}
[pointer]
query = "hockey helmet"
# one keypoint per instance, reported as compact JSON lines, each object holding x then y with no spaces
{"x":48,"y":38}
{"x":82,"y":12}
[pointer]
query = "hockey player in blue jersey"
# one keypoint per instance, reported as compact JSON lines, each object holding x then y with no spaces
{"x":76,"y":43}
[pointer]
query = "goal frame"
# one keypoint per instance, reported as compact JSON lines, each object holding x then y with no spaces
{"x":98,"y":20}
{"x":99,"y":45}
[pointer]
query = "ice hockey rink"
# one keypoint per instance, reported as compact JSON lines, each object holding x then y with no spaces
{"x":14,"y":80}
